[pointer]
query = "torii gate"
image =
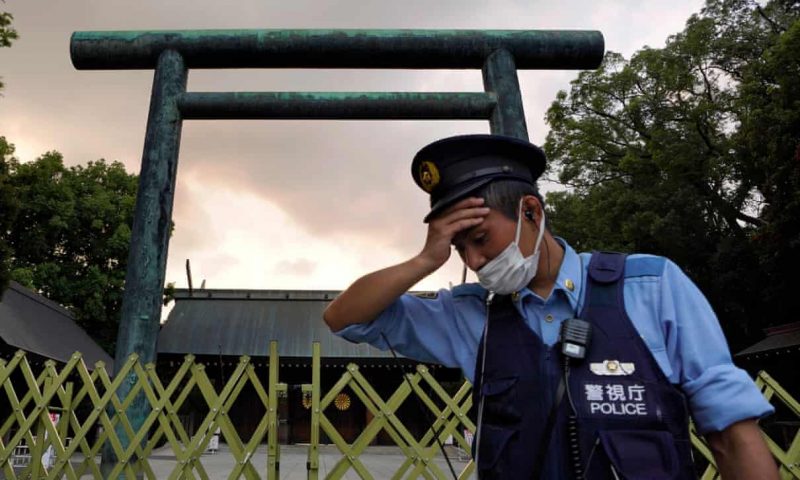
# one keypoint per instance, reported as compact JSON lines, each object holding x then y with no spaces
{"x":498,"y":53}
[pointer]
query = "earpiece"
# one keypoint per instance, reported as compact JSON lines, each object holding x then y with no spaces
{"x":528,"y":215}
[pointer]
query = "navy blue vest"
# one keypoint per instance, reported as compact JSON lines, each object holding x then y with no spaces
{"x":632,"y":423}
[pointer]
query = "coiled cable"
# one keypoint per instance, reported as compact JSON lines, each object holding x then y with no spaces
{"x":573,"y":434}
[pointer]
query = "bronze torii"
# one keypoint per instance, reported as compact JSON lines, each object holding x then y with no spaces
{"x":498,"y":53}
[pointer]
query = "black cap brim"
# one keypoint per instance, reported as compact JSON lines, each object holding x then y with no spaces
{"x":462,"y":164}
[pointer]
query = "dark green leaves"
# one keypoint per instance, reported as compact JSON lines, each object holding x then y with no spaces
{"x":69,"y":235}
{"x":692,"y":151}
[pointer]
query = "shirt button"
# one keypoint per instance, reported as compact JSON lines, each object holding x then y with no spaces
{"x":548,"y":318}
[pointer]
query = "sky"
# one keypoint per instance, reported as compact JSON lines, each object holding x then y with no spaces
{"x":285,"y":204}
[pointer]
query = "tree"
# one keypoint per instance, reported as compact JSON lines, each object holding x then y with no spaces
{"x":8,"y":211}
{"x":768,"y":151}
{"x":65,"y":231}
{"x":690,"y":151}
{"x":70,"y":237}
{"x":7,"y":203}
{"x":7,"y":32}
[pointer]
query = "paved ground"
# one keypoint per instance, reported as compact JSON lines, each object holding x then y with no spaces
{"x":380,"y":462}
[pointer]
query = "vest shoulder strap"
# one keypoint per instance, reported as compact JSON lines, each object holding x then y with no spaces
{"x":604,"y":282}
{"x":606,"y":267}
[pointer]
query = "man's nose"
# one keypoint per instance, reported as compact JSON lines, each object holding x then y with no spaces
{"x":474,"y":259}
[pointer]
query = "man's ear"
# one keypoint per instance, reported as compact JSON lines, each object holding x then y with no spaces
{"x":531,"y":207}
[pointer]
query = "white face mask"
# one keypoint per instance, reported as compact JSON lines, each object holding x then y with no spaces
{"x":510,"y":272}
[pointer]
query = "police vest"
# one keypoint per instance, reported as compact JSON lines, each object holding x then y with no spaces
{"x":629,"y":421}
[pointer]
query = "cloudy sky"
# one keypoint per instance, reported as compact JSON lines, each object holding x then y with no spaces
{"x":289,"y":204}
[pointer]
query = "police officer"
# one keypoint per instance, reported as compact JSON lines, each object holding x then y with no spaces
{"x":614,"y":401}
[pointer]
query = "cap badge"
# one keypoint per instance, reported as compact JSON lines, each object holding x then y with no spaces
{"x":428,"y":176}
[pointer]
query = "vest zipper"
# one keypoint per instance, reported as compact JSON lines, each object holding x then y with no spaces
{"x":489,"y":298}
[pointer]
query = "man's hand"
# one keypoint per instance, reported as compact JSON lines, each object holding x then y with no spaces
{"x":368,"y":296}
{"x":464,"y":215}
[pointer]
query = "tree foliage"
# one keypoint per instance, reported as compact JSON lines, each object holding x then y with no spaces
{"x":7,"y":202}
{"x":7,"y":32}
{"x":70,"y":235}
{"x":8,"y":211}
{"x":693,"y":151}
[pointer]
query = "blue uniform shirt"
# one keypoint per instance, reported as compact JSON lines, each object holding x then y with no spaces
{"x":667,"y":309}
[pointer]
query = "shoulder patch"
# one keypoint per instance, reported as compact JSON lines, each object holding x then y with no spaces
{"x":469,"y":289}
{"x":644,"y":266}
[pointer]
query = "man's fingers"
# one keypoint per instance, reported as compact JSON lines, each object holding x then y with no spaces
{"x":462,"y":216}
{"x":466,"y":208}
{"x":468,"y":202}
{"x":464,"y":213}
{"x":464,"y":224}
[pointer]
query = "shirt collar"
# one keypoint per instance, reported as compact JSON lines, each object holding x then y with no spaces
{"x":569,"y":279}
{"x":570,"y":275}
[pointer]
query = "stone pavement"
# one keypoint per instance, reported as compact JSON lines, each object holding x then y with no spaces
{"x":381,"y":462}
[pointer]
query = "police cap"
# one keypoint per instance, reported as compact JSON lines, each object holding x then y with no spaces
{"x":452,"y":168}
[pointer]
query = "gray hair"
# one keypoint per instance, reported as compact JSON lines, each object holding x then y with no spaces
{"x":504,"y":195}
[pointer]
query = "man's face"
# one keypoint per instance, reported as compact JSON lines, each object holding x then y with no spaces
{"x":480,"y":244}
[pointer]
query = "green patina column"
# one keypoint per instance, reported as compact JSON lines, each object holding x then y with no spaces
{"x":147,"y":259}
{"x":499,"y":53}
{"x":500,"y":78}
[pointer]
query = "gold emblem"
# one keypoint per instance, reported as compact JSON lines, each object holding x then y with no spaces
{"x":428,"y":176}
{"x":570,"y":286}
{"x":612,"y":366}
{"x":342,"y":401}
